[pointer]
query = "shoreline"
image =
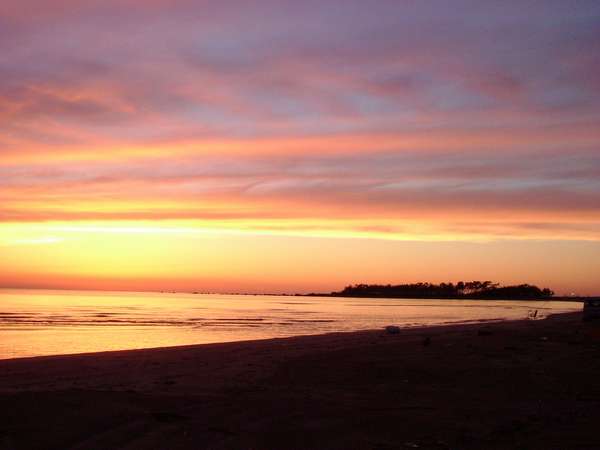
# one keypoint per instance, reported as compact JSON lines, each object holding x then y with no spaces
{"x":478,"y":299}
{"x":454,"y":325}
{"x":510,"y":384}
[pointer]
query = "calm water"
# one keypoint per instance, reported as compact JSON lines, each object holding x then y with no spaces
{"x":35,"y":322}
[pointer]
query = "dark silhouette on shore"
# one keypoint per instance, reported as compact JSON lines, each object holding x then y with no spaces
{"x":460,"y":290}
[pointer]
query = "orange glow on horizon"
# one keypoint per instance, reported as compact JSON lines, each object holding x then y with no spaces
{"x":186,"y":256}
{"x":171,"y":146}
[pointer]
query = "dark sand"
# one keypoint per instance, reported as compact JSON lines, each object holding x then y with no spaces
{"x":529,"y":385}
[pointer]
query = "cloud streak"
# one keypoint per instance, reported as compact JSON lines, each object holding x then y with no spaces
{"x":475,"y":119}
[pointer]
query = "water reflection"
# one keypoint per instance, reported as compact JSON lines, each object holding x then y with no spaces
{"x":35,"y":322}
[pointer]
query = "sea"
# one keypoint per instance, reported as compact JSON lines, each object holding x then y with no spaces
{"x":53,"y":322}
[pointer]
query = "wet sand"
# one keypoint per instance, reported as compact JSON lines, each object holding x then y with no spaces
{"x":527,"y":384}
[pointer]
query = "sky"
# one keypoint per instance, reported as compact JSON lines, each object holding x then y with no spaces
{"x":286,"y":146}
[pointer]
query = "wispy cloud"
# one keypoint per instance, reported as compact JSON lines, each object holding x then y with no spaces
{"x":474,"y":117}
{"x":31,"y":241}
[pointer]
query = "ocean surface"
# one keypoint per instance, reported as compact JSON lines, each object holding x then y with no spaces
{"x":43,"y":322}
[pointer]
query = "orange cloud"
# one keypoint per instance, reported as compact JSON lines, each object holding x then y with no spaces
{"x":291,"y":121}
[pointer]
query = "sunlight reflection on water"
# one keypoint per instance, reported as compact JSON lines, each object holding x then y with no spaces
{"x":38,"y":322}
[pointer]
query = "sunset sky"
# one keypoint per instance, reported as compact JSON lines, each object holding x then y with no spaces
{"x":295,"y":146}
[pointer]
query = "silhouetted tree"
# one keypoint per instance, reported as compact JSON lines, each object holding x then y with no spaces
{"x":471,"y":289}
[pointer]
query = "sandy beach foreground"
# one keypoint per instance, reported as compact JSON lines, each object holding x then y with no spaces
{"x":528,"y":384}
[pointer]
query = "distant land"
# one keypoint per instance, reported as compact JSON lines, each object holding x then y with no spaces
{"x":465,"y":290}
{"x":483,"y":290}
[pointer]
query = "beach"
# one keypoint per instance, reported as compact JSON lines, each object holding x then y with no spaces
{"x":519,"y":384}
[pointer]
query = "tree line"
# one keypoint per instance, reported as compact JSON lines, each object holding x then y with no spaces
{"x":462,"y":289}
